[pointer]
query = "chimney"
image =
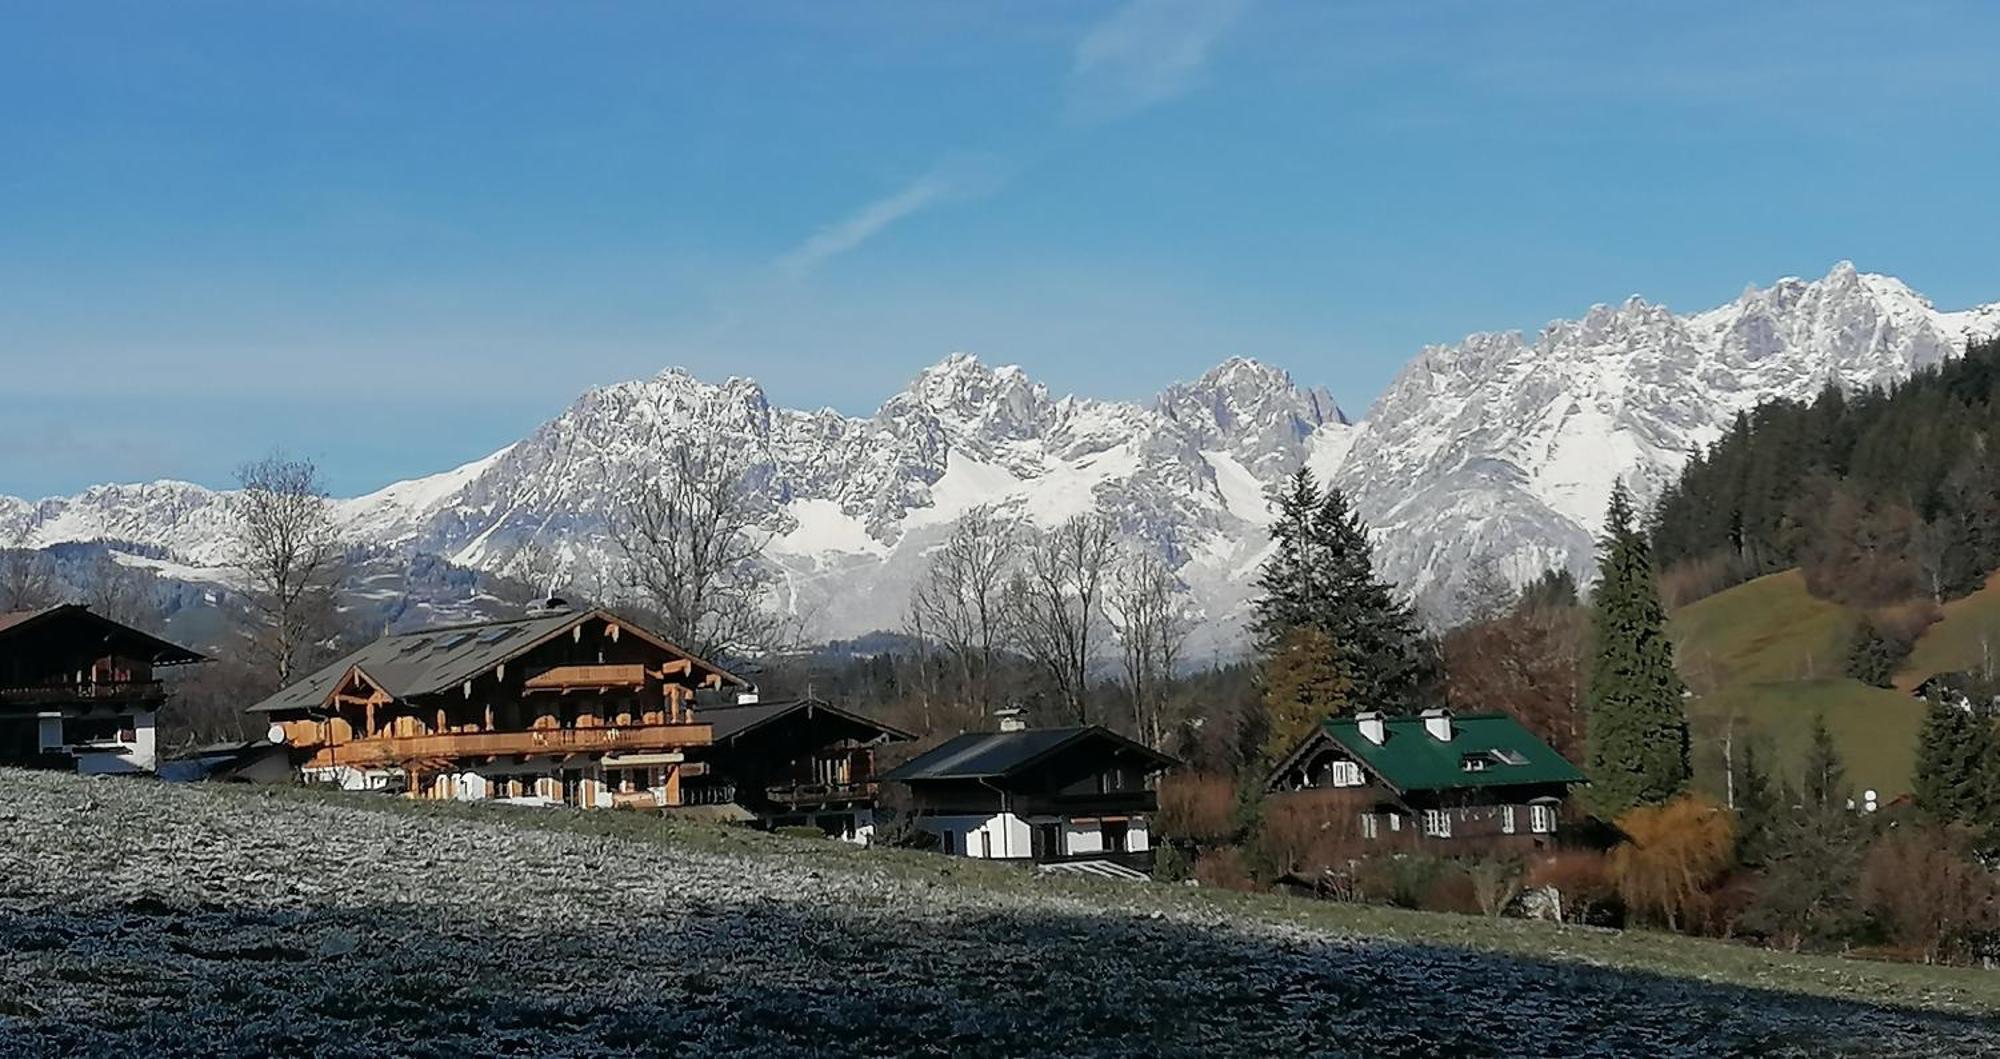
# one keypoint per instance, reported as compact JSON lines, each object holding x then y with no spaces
{"x":1011,"y":719}
{"x":1373,"y":727}
{"x":1438,"y":723}
{"x":542,"y":608}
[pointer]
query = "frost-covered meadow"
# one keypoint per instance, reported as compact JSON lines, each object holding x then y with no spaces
{"x":145,"y":919}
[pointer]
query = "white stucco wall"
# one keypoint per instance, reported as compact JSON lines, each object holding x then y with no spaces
{"x":1008,"y":835}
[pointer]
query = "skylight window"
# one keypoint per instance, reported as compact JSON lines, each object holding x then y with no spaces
{"x":1510,"y":756}
{"x":455,"y":641}
{"x":499,"y":634}
{"x":417,"y":644}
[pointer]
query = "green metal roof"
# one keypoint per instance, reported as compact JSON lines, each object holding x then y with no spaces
{"x":1409,"y":759}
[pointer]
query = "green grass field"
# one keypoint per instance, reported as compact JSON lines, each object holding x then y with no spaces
{"x":1967,"y":638}
{"x":1768,"y":657}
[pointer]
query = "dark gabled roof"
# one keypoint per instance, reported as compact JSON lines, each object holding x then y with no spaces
{"x":428,"y":661}
{"x":1409,"y":759}
{"x":165,"y":653}
{"x":729,"y":721}
{"x":988,"y":755}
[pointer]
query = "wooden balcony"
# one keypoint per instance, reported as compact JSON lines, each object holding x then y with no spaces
{"x":535,"y":741}
{"x":565,"y":679}
{"x":105,"y":692}
{"x":801,"y":794}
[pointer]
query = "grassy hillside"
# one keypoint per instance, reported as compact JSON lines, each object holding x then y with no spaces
{"x":1767,"y":656}
{"x":228,"y":920}
{"x":1967,"y":638}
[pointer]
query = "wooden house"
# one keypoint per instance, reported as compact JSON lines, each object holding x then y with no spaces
{"x":1037,"y":794}
{"x":578,"y":707}
{"x":78,"y":690}
{"x":581,"y":708}
{"x":792,"y":763}
{"x":1435,"y":781}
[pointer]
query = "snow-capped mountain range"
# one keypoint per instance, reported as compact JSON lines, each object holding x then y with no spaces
{"x":1498,"y":446}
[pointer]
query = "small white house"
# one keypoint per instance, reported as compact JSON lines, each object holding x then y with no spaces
{"x":1041,"y":794}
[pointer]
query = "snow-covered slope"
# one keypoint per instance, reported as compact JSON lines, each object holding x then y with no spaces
{"x":1495,"y":446}
{"x":1503,"y":447}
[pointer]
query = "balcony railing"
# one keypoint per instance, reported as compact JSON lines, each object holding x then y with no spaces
{"x":819,"y":793}
{"x":103,"y":691}
{"x":587,"y":678}
{"x":531,"y":741}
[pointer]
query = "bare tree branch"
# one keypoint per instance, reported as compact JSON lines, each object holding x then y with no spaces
{"x":959,"y":599}
{"x":1055,"y":604}
{"x":289,"y":551}
{"x":693,"y":553}
{"x":1146,"y":605}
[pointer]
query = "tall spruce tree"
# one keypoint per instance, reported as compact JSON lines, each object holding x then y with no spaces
{"x":1321,"y":575}
{"x":1758,"y":802}
{"x":1638,"y":733}
{"x":1807,"y":893}
{"x":1955,"y":764}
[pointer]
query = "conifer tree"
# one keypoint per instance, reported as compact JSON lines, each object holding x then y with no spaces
{"x":1757,"y":806}
{"x":1638,"y":734}
{"x":1955,"y":764}
{"x":1321,"y":574}
{"x":1807,"y":894}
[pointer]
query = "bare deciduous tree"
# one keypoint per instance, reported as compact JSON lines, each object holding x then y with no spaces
{"x":1147,"y":608}
{"x":125,"y":594}
{"x":290,"y":551}
{"x":1055,"y":604}
{"x":958,"y":599}
{"x":27,"y":579}
{"x":693,"y":553}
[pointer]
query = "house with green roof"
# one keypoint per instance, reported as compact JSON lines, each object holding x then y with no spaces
{"x":1449,"y":783}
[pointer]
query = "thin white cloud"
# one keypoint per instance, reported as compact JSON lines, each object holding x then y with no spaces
{"x":863,"y":224}
{"x":1147,"y":52}
{"x":963,"y":177}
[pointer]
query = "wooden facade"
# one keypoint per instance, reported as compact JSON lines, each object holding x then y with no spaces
{"x":1433,"y":783}
{"x":78,"y":690}
{"x":585,"y":709}
{"x":1040,"y":794}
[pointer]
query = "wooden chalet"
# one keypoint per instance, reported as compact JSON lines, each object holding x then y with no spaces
{"x":78,"y":690}
{"x":578,"y":707}
{"x":792,"y":763}
{"x":1039,"y":794}
{"x":1434,"y":781}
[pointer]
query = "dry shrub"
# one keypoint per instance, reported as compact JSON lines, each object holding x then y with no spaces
{"x":1672,"y":854}
{"x":1452,"y":891}
{"x":1693,"y":579}
{"x":1196,"y":807}
{"x":1224,"y":869}
{"x":1583,"y":880}
{"x":1496,"y":882}
{"x":1415,"y":880}
{"x":1307,"y":833}
{"x":1857,"y":549}
{"x":1905,"y":623}
{"x":1920,"y":884}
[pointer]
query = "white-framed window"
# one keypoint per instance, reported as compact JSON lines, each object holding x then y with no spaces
{"x":1541,"y":819}
{"x":1437,"y":823}
{"x":1347,"y":774}
{"x":1395,"y":821}
{"x":1506,"y":819}
{"x":1369,"y":825}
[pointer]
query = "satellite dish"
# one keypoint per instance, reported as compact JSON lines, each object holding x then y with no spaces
{"x":275,"y":733}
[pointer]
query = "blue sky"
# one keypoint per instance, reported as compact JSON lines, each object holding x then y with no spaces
{"x":395,"y":236}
